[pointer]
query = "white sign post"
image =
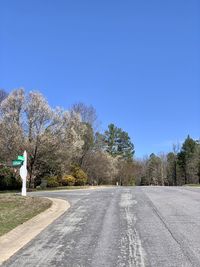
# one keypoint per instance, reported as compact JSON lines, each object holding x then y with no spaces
{"x":23,"y":173}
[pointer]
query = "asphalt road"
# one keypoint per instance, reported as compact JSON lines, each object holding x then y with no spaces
{"x":121,"y":226}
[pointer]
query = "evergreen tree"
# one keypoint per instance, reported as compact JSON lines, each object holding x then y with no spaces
{"x":118,"y":142}
{"x":188,"y":161}
{"x":154,"y":170}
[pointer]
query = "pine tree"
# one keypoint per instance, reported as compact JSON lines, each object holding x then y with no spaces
{"x":118,"y":142}
{"x":188,"y":161}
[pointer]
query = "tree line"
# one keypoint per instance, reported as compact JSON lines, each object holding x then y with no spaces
{"x":64,"y":146}
{"x":179,"y":167}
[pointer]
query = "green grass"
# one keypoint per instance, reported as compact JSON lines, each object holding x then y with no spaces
{"x":15,"y":210}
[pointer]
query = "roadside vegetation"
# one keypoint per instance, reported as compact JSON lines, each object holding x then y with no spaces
{"x":179,"y":167}
{"x":66,"y":148}
{"x":15,"y":210}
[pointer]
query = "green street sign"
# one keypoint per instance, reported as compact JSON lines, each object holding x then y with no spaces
{"x":17,"y":163}
{"x":20,"y":158}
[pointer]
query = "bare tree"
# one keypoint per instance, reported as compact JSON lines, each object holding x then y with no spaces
{"x":88,"y":114}
{"x":101,"y":167}
{"x":163,"y":167}
{"x":3,"y":95}
{"x":57,"y":134}
{"x":38,"y":118}
{"x":53,"y":138}
{"x":11,"y":120}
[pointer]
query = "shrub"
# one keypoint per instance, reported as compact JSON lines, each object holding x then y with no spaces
{"x":68,"y":180}
{"x":38,"y":187}
{"x":52,"y":181}
{"x":8,"y":179}
{"x":80,"y":177}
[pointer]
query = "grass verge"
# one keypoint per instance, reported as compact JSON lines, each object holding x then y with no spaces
{"x":15,"y":210}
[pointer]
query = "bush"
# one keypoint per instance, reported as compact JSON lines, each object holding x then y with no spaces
{"x":38,"y":187}
{"x":80,"y":177}
{"x":8,"y":179}
{"x":68,"y":180}
{"x":52,"y":181}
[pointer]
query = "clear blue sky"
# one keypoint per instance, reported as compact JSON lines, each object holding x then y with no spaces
{"x":136,"y":61}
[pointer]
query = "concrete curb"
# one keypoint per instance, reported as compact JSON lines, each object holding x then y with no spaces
{"x":14,"y":240}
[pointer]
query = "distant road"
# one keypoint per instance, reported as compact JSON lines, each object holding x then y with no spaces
{"x":120,"y":227}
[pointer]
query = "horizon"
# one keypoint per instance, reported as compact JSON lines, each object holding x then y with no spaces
{"x":138,"y":64}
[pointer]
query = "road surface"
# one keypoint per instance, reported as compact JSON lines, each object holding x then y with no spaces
{"x":121,"y":226}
